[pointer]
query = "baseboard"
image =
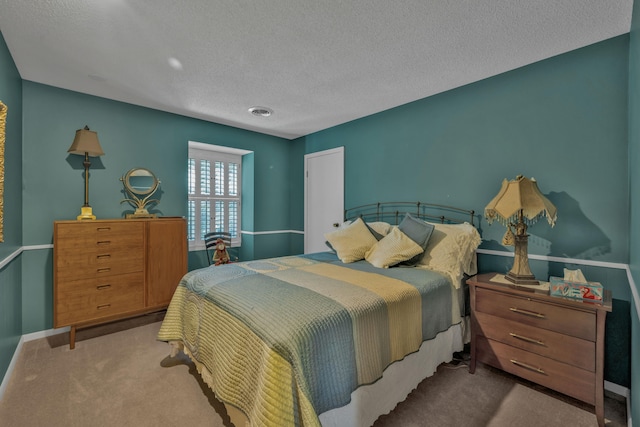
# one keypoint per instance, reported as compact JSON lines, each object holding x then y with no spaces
{"x":44,"y":334}
{"x":10,"y":368}
{"x":23,"y":339}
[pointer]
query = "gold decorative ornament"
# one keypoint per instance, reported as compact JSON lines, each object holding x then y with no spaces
{"x":3,"y":126}
{"x":508,"y":239}
{"x":139,"y":185}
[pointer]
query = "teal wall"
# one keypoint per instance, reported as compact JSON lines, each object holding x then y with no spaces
{"x":562,"y":121}
{"x":132,"y":136}
{"x":634,"y":196}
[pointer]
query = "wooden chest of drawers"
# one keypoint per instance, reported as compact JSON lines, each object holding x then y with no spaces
{"x":555,"y":342}
{"x":105,"y":270}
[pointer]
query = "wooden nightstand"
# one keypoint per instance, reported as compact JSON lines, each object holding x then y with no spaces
{"x":554,"y":342}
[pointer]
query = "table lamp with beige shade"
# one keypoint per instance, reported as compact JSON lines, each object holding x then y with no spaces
{"x":519,"y":204}
{"x":86,"y":144}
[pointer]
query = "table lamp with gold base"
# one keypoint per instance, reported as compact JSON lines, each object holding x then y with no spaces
{"x":518,"y":204}
{"x":86,"y":144}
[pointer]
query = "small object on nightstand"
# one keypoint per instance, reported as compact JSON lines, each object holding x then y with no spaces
{"x":540,"y":286}
{"x":575,"y":285}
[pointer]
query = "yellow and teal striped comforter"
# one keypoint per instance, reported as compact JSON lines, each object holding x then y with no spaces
{"x":285,"y":339}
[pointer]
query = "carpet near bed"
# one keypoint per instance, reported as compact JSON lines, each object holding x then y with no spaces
{"x":120,"y":375}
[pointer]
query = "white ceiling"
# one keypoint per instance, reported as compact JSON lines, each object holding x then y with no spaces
{"x":316,"y":63}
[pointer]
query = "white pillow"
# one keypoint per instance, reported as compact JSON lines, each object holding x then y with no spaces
{"x":352,"y":242}
{"x":393,"y":248}
{"x":451,"y":250}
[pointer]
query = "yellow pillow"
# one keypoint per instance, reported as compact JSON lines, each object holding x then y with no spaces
{"x":351,"y":242}
{"x":393,"y":248}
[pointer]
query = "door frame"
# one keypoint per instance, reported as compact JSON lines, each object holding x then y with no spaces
{"x":336,"y":150}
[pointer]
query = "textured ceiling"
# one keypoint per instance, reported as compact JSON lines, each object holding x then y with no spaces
{"x":315,"y":63}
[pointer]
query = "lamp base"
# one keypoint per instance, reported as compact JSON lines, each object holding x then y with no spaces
{"x":521,"y":279}
{"x":86,"y":213}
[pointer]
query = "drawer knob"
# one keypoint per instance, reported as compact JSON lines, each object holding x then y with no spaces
{"x":104,"y":256}
{"x":527,"y":312}
{"x":527,"y":366}
{"x":103,"y":287}
{"x":527,"y":339}
{"x":104,"y":270}
{"x":103,"y":306}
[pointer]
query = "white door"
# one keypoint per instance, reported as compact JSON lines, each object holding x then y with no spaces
{"x":323,"y":196}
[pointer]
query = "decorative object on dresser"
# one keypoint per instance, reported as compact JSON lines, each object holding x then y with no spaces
{"x":86,"y":144}
{"x":140,"y":184}
{"x":106,"y":270}
{"x":521,"y":201}
{"x":555,"y":342}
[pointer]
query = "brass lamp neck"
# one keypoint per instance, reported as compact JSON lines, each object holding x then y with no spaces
{"x":87,"y":164}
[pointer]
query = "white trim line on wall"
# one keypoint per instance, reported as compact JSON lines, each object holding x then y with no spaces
{"x":258,"y":233}
{"x":10,"y":258}
{"x":21,"y":249}
{"x":605,"y":264}
{"x":614,"y":388}
{"x":251,"y":233}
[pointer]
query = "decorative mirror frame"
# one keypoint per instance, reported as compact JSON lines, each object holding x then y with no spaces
{"x":3,"y":125}
{"x":140,"y":199}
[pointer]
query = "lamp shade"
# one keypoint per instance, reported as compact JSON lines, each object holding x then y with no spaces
{"x":520,"y":195}
{"x":86,"y":141}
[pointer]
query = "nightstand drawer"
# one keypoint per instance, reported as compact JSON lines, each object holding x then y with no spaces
{"x":537,"y":313}
{"x":561,"y":377}
{"x":563,"y":348}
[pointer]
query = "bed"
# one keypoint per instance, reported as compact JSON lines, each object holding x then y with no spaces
{"x":334,"y":338}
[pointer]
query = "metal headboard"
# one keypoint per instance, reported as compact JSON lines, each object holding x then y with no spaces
{"x":394,"y":212}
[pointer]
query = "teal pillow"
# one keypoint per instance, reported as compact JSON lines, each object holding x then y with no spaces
{"x":377,"y":235}
{"x":419,"y":231}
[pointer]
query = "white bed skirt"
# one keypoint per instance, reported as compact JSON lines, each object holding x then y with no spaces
{"x":398,"y":380}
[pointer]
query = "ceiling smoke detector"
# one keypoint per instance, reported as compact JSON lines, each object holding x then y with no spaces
{"x":261,"y":111}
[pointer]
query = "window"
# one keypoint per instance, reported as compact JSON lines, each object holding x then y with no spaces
{"x":214,"y":187}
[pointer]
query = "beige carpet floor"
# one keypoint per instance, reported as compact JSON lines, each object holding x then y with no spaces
{"x":119,"y":375}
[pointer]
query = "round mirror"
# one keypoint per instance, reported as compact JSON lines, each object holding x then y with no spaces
{"x":141,"y":181}
{"x":139,"y":185}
